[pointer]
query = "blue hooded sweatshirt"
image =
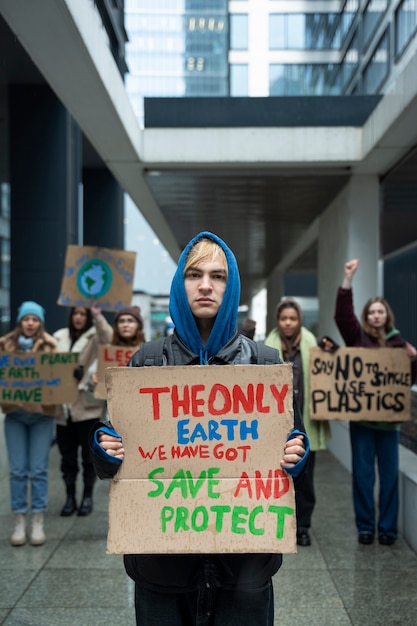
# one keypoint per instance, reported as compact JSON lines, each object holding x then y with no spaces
{"x":225,"y":323}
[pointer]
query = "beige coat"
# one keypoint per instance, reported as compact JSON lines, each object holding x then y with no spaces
{"x":87,"y":347}
{"x":45,"y":343}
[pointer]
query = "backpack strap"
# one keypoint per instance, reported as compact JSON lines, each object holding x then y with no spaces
{"x":151,"y":352}
{"x":267,"y":355}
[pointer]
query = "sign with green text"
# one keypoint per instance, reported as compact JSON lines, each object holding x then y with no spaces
{"x":360,"y":384}
{"x":97,"y":275}
{"x":38,"y":378}
{"x":201,"y":471}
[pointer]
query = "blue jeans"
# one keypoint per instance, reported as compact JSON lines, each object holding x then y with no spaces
{"x":207,"y":606}
{"x":368,"y":445}
{"x":28,"y":440}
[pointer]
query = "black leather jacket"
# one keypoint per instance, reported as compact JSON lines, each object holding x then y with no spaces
{"x":182,"y":572}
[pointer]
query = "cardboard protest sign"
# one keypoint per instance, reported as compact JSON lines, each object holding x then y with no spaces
{"x":38,"y":377}
{"x":99,"y":275}
{"x":110,"y":356}
{"x":360,"y":384}
{"x":201,"y":471}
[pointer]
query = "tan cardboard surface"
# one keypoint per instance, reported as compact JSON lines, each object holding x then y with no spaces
{"x":202,"y":450}
{"x":360,"y":384}
{"x":97,"y":275}
{"x":38,"y":377}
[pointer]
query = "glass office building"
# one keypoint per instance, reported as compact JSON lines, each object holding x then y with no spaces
{"x":275,"y":48}
{"x":177,"y":48}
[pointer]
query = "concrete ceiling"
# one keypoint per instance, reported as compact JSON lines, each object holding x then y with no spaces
{"x":261,"y":209}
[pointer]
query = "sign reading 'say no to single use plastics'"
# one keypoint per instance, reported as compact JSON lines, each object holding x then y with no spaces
{"x":202,"y":448}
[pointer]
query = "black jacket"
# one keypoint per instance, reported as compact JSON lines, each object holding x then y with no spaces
{"x":175,"y":573}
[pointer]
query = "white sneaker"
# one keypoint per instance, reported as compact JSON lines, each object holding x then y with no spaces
{"x":19,"y":534}
{"x":37,"y":535}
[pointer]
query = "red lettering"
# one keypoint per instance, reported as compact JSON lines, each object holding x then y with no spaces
{"x":155,"y":391}
{"x":279,"y":396}
{"x":281,"y":479}
{"x":263,"y":489}
{"x":121,"y":356}
{"x":242,"y":402}
{"x":227,"y":401}
{"x":244,"y":483}
{"x":178,"y":402}
{"x":107,"y":356}
{"x":274,"y":486}
{"x":259,"y":399}
{"x":195,"y":401}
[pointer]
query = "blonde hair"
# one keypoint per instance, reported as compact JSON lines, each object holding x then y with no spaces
{"x":205,"y":250}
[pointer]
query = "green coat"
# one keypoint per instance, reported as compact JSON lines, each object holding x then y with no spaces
{"x":318,"y":431}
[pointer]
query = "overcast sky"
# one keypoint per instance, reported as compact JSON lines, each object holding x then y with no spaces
{"x":154,"y":266}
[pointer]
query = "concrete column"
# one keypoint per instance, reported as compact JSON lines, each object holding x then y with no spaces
{"x":349,"y":228}
{"x":103,"y":209}
{"x":45,"y":174}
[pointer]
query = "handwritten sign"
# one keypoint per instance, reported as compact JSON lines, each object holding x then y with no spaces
{"x":110,"y":356}
{"x":93,"y":274}
{"x":360,"y":384}
{"x":202,"y":450}
{"x":38,"y":377}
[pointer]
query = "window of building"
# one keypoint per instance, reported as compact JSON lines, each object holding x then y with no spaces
{"x":302,"y":80}
{"x":377,"y":69}
{"x":405,"y":24}
{"x":350,"y":62}
{"x":239,"y":80}
{"x":350,"y":10}
{"x":312,"y":31}
{"x":239,"y":31}
{"x":372,"y":16}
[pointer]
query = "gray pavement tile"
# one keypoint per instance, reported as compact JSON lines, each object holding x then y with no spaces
{"x":70,"y":617}
{"x":13,"y":586}
{"x":68,"y":588}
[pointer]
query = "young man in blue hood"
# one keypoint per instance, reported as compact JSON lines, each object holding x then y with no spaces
{"x":209,"y":589}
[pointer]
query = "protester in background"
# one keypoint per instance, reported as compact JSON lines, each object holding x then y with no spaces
{"x":248,"y":328}
{"x":226,"y":588}
{"x":28,"y":431}
{"x":128,"y":328}
{"x":294,"y":342}
{"x":127,"y":333}
{"x":75,"y":421}
{"x":372,"y":441}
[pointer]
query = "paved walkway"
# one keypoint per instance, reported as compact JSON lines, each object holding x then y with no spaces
{"x":71,"y":581}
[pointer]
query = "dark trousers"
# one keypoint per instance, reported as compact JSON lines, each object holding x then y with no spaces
{"x":368,"y":445}
{"x":69,"y":439}
{"x":305,"y":498}
{"x":207,"y":606}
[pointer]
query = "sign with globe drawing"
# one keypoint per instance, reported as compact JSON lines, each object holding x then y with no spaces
{"x":97,"y":275}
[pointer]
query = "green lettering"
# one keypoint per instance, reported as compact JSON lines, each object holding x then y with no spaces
{"x":238,"y":518}
{"x":181,"y":520}
{"x":178,"y":482}
{"x":159,"y":484}
{"x":167,"y":514}
{"x":252,"y":528}
{"x":203,"y":525}
{"x":195,"y":487}
{"x":281,"y":512}
{"x":219,"y":512}
{"x":212,"y":482}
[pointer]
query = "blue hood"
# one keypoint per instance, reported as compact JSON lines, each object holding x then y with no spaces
{"x":225,"y":323}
